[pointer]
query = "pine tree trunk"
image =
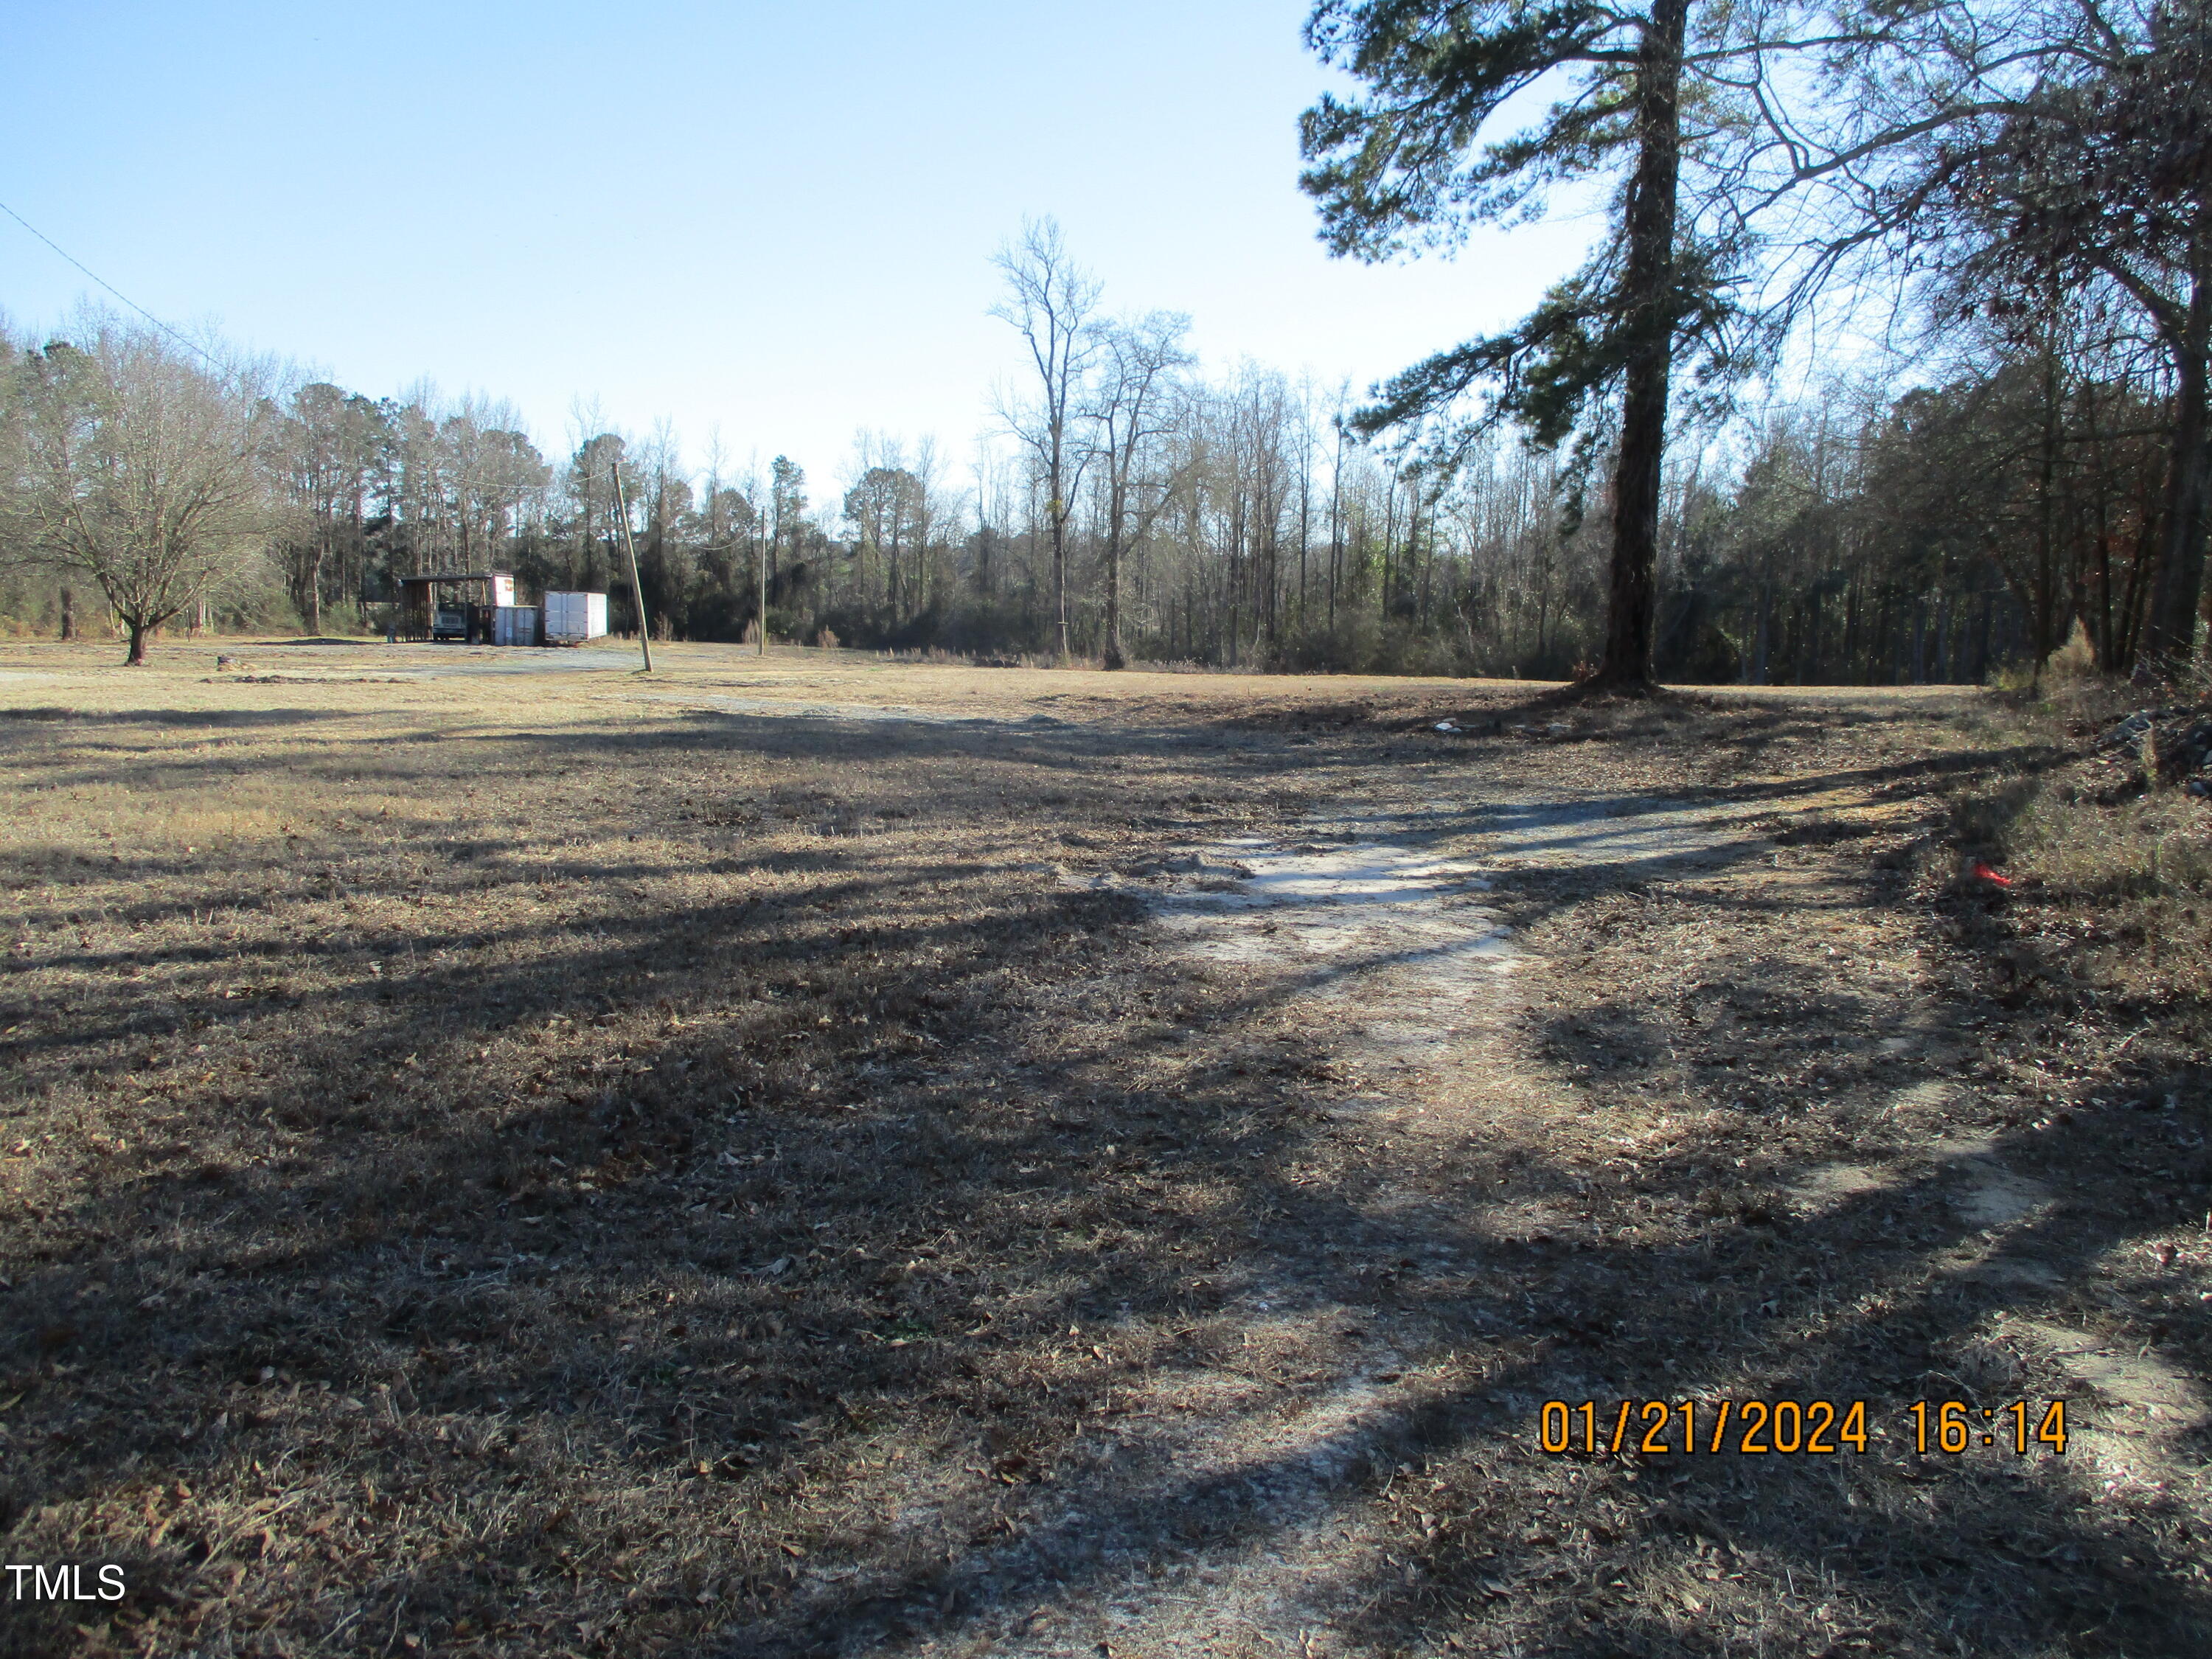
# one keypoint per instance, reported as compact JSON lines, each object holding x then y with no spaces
{"x":2170,"y":631}
{"x":1648,"y":304}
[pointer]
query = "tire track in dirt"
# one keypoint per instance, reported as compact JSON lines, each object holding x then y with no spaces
{"x":1375,"y":927}
{"x":2149,"y":1407}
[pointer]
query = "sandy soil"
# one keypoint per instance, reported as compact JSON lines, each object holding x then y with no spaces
{"x":837,"y":1156}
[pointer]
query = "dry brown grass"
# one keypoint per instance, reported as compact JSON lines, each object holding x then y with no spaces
{"x":511,"y":1166}
{"x":2118,"y":861}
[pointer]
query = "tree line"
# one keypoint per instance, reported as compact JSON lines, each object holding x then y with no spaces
{"x":2026,"y":182}
{"x":1608,"y":488}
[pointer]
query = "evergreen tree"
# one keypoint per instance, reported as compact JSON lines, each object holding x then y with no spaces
{"x":1420,"y":161}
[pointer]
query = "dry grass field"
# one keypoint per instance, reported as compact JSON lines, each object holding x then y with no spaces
{"x":511,"y":1158}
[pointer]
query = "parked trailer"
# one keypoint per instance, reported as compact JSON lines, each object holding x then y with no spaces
{"x":514,"y":624}
{"x":573,"y":618}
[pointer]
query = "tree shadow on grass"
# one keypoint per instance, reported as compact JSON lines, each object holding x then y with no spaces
{"x":213,"y":720}
{"x":437,"y":1307}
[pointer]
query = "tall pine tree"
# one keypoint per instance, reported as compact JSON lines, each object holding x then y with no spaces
{"x":1433,"y":150}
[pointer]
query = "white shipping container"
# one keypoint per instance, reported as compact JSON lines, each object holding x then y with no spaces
{"x":572,"y":618}
{"x":514,"y":624}
{"x":502,"y":590}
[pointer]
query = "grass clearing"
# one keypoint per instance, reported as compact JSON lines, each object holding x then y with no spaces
{"x":518,"y":1164}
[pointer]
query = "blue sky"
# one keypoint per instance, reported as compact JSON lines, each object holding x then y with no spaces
{"x":774,"y":221}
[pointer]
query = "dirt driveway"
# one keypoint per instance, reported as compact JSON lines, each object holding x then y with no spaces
{"x":837,"y":1156}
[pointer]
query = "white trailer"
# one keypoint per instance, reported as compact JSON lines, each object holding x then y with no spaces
{"x":573,"y":618}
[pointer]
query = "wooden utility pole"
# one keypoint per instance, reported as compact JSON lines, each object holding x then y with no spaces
{"x":636,"y":583}
{"x":760,"y":629}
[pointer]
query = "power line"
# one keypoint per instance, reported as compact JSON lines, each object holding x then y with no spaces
{"x":199,"y":351}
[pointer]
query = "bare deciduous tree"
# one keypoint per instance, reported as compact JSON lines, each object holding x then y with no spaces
{"x":1132,"y":409}
{"x":1050,"y":300}
{"x":2060,"y":150}
{"x":140,"y":467}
